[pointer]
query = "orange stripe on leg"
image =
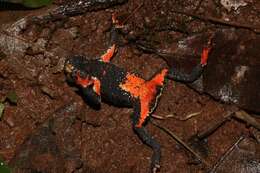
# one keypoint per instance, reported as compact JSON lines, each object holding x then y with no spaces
{"x":109,"y":54}
{"x":159,"y":78}
{"x":96,"y":86}
{"x":204,"y":56}
{"x":144,"y":112}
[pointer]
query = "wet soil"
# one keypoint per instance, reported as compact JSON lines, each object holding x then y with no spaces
{"x":52,"y":129}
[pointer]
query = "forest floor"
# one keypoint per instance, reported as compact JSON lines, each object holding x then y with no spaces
{"x":49,"y":128}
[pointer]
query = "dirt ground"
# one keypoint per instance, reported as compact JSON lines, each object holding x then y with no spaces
{"x":52,"y":129}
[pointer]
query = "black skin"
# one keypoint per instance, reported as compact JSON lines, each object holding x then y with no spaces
{"x":113,"y":94}
{"x":110,"y":77}
{"x":91,"y":98}
{"x":110,"y":90}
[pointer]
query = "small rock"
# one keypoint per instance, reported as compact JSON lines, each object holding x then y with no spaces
{"x":74,"y":31}
{"x":235,"y":4}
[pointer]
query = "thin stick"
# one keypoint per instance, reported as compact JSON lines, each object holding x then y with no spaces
{"x":128,"y":17}
{"x":242,"y":115}
{"x":227,"y":153}
{"x":253,"y":28}
{"x":212,"y":128}
{"x":176,"y":138}
{"x":187,"y":117}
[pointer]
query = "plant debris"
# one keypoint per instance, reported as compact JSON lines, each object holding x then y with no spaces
{"x":12,"y":97}
{"x":2,"y":107}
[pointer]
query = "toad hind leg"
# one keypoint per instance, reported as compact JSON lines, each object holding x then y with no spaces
{"x":109,"y":54}
{"x":196,"y":71}
{"x":148,"y":140}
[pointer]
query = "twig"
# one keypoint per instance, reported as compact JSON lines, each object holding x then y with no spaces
{"x":242,"y":115}
{"x":118,"y":24}
{"x":128,"y":17}
{"x":212,"y":128}
{"x":176,"y":138}
{"x":187,"y":117}
{"x":211,"y":19}
{"x":158,"y":117}
{"x":228,"y":152}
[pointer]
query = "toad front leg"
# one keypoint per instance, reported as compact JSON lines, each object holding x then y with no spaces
{"x":90,"y":87}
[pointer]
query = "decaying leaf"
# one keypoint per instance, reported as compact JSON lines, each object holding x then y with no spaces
{"x":4,"y":168}
{"x":2,"y":107}
{"x":12,"y":97}
{"x":2,"y":55}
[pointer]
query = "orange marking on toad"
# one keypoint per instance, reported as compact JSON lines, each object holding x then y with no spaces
{"x":109,"y":54}
{"x":204,"y":56}
{"x":146,"y":91}
{"x":84,"y":82}
{"x":96,"y":86}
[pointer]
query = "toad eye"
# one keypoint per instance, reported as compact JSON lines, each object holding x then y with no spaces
{"x":83,"y":74}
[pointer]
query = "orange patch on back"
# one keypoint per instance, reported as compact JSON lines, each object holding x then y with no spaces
{"x":109,"y":54}
{"x":144,"y":90}
{"x":133,"y":84}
